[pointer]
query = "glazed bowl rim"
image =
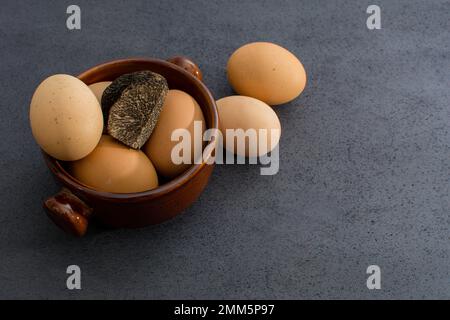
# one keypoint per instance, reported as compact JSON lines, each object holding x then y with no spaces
{"x":69,"y":181}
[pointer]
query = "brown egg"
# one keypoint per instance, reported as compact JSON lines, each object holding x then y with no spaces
{"x":267,"y":72}
{"x":180,"y":111}
{"x":98,"y":88}
{"x":241,"y":112}
{"x":114,"y":167}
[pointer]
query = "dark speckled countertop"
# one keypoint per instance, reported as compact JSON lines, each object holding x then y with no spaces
{"x":364,"y":155}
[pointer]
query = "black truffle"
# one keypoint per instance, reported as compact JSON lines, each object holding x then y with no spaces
{"x":133,"y":102}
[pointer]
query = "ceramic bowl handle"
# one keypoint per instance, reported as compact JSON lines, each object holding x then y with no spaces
{"x":188,"y":65}
{"x":68,"y":212}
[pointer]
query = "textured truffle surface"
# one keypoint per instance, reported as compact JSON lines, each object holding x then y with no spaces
{"x":133,"y":102}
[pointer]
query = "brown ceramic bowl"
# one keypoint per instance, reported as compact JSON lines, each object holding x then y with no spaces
{"x":72,"y":208}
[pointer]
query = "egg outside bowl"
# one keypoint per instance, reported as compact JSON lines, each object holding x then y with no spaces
{"x":72,"y":208}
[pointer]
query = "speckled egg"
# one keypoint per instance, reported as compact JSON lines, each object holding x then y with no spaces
{"x":66,"y":118}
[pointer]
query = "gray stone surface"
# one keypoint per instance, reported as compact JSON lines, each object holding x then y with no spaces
{"x":364,"y":176}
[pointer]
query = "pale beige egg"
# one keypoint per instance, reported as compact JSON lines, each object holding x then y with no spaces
{"x":66,"y":118}
{"x":180,"y":111}
{"x":267,"y":72}
{"x":114,"y":167}
{"x":98,"y":88}
{"x":250,"y":121}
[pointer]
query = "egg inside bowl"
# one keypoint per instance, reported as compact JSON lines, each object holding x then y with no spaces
{"x":172,"y":196}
